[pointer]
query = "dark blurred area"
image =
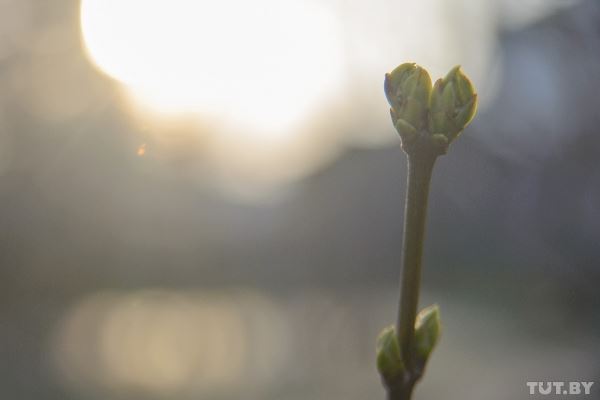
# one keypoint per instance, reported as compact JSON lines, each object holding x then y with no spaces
{"x":130,"y":277}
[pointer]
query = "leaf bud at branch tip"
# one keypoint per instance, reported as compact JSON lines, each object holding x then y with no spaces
{"x":436,"y":115}
{"x":408,"y":88}
{"x":453,"y":104}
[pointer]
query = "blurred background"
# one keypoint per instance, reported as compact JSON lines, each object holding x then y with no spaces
{"x":204,"y":200}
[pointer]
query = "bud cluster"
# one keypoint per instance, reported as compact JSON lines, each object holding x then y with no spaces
{"x":392,"y":364}
{"x":439,"y":113}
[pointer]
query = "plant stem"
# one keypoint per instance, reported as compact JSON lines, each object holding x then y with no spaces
{"x":403,"y":392}
{"x":421,"y":159}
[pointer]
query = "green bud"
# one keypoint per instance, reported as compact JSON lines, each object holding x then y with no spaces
{"x":407,"y":89}
{"x":427,"y":333}
{"x":407,"y":131}
{"x":389,"y":360}
{"x":452,"y":105}
{"x":439,"y":140}
{"x":448,"y":98}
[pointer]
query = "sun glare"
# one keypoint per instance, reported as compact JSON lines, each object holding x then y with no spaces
{"x":263,"y":63}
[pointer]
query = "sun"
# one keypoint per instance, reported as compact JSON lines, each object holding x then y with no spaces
{"x":262,"y":64}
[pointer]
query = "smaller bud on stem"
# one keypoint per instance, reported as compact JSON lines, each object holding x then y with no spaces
{"x":427,"y":333}
{"x":392,"y":364}
{"x":389,"y":360}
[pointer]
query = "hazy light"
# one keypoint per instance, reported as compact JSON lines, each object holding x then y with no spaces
{"x":166,"y":342}
{"x":141,"y":150}
{"x":263,"y":64}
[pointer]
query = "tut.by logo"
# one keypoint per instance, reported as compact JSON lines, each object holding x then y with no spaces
{"x":545,"y":388}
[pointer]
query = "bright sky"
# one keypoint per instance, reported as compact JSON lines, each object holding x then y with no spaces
{"x":284,"y":84}
{"x":261,"y":64}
